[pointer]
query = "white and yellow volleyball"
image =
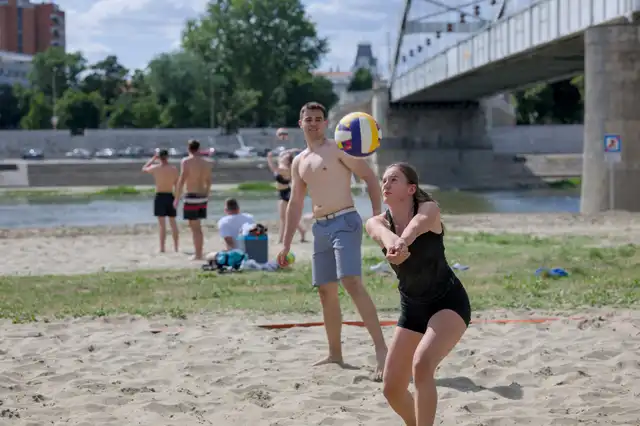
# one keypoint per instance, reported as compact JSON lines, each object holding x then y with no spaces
{"x":358,"y":134}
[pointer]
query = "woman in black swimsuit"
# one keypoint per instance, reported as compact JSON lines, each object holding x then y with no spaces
{"x":435,"y":310}
{"x":282,"y":174}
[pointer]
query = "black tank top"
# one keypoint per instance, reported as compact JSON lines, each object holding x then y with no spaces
{"x":425,"y":275}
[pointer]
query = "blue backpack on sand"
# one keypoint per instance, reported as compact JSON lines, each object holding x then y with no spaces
{"x":226,"y":260}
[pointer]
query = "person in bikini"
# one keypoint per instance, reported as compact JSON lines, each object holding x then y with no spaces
{"x":325,"y":171}
{"x":166,"y":177}
{"x":435,"y":309}
{"x":195,"y":175}
{"x":282,"y":174}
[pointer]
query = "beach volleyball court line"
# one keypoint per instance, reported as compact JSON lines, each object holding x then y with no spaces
{"x":392,"y":323}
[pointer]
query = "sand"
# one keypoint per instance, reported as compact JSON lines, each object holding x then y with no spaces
{"x":222,"y":370}
{"x":76,"y":250}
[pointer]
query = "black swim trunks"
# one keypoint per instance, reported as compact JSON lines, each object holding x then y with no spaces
{"x":163,"y":205}
{"x":195,"y":206}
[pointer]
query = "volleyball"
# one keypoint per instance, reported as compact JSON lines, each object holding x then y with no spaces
{"x":358,"y":134}
{"x":290,"y":258}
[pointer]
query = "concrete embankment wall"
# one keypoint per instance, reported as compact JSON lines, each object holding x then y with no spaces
{"x":483,"y":169}
{"x":446,"y":168}
{"x":113,"y":173}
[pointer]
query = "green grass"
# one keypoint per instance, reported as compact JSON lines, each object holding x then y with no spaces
{"x":120,"y":191}
{"x":31,"y":193}
{"x":501,"y":275}
{"x":255,"y":186}
{"x":570,"y":183}
{"x":110,"y":192}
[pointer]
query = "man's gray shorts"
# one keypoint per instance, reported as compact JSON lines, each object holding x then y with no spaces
{"x":337,"y":247}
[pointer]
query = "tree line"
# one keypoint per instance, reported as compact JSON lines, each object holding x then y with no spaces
{"x":241,"y":64}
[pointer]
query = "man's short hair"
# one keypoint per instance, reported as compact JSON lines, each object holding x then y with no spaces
{"x":163,"y":153}
{"x":310,"y":106}
{"x":231,"y":204}
{"x":193,"y":145}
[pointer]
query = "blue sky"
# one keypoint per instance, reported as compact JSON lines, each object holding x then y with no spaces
{"x":137,"y":30}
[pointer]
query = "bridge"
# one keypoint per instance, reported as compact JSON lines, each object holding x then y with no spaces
{"x":432,"y":112}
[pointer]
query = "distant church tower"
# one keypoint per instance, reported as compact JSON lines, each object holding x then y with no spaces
{"x":365,"y":59}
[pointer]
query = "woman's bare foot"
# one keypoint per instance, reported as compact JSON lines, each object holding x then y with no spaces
{"x":330,"y":360}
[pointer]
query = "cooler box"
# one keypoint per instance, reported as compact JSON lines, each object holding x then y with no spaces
{"x":257,"y":248}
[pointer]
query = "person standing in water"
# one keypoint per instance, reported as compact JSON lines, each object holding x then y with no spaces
{"x":165,"y":176}
{"x":435,"y":309}
{"x":195,"y":175}
{"x":326,"y":172}
{"x":282,"y":175}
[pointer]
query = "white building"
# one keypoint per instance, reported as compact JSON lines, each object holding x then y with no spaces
{"x":14,"y":68}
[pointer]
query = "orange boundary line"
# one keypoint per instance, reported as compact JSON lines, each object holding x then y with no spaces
{"x":392,"y":323}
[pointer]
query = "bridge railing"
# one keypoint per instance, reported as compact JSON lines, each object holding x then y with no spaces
{"x":538,"y":24}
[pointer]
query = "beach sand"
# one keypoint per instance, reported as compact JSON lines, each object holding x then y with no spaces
{"x":76,"y":250}
{"x":225,"y":371}
{"x":222,"y":370}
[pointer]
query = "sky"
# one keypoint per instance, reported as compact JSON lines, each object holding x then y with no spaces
{"x":138,"y":30}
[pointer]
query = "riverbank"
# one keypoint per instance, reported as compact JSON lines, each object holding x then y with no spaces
{"x":242,"y":188}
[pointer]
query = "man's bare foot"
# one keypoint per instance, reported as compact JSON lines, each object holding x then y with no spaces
{"x":330,"y":360}
{"x":381,"y":357}
{"x":194,"y":257}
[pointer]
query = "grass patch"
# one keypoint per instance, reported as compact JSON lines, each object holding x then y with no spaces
{"x":44,"y":194}
{"x":256,"y":186}
{"x":119,"y":191}
{"x":31,"y":193}
{"x":501,"y":275}
{"x":570,"y":183}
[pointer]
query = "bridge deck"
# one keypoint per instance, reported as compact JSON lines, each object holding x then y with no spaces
{"x":540,"y":43}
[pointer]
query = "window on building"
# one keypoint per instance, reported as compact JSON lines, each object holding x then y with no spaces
{"x":20,"y":46}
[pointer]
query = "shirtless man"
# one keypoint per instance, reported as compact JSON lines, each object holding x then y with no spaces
{"x":326,"y":171}
{"x":166,"y":177}
{"x":195,"y":173}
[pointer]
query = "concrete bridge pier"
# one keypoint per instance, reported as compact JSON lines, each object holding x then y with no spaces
{"x":612,"y":106}
{"x":446,"y":142}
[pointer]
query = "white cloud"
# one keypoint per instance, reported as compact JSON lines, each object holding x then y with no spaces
{"x":137,"y":30}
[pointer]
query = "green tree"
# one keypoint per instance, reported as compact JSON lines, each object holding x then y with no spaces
{"x":555,"y":103}
{"x":54,"y":71}
{"x":78,"y":110}
{"x":10,"y":113}
{"x":304,"y":87}
{"x":39,"y":112}
{"x":361,"y":80}
{"x":107,"y":77}
{"x":181,"y":82}
{"x":255,"y":45}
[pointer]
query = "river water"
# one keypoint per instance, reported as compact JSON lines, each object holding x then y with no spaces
{"x":59,"y":211}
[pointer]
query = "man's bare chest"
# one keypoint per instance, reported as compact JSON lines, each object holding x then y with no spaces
{"x":318,"y":167}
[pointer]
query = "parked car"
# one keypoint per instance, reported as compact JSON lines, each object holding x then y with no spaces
{"x":106,"y":153}
{"x":33,"y":154}
{"x":246,"y":152}
{"x":222,"y":154}
{"x":79,"y":153}
{"x":176,"y":153}
{"x":132,"y":152}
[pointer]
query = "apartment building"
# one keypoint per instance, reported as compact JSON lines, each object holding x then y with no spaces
{"x":29,"y":28}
